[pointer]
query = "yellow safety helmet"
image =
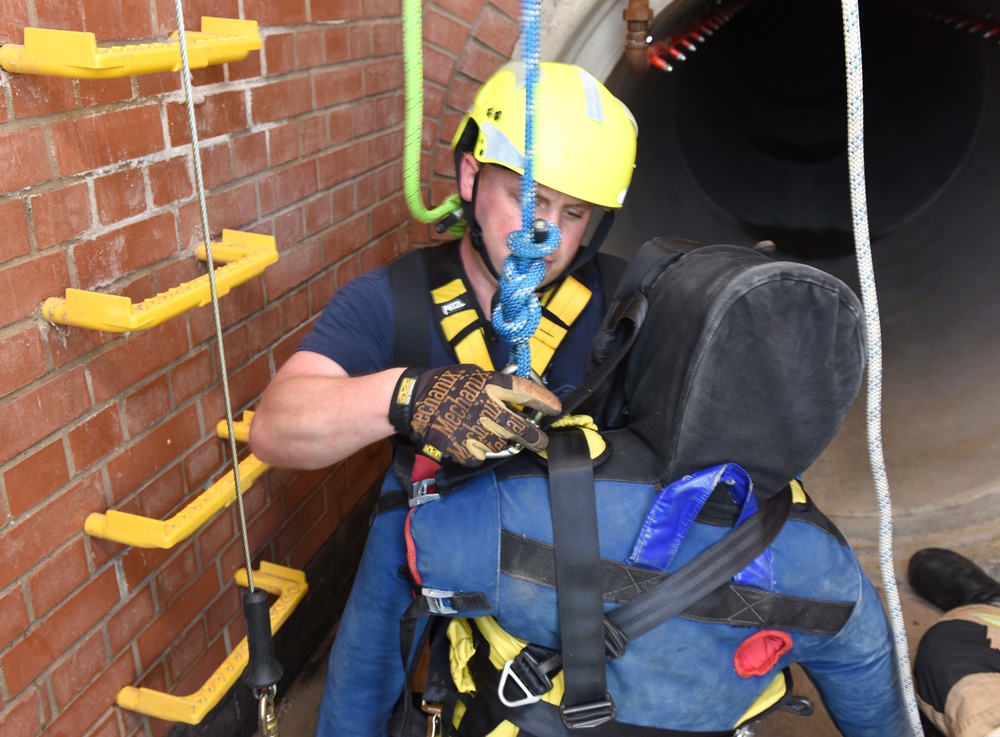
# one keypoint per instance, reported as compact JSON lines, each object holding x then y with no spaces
{"x":584,"y":136}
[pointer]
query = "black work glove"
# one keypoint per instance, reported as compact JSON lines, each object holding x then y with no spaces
{"x":458,"y":412}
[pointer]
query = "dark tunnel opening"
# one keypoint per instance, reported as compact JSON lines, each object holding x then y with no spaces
{"x":745,"y":140}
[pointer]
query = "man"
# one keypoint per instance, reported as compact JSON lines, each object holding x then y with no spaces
{"x":332,"y":397}
{"x":957,"y":667}
{"x":348,"y":386}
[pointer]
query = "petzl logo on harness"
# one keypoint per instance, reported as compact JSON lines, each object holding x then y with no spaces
{"x":454,"y":306}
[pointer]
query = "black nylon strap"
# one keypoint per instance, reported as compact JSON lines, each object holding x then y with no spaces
{"x":411,"y":334}
{"x":710,"y":569}
{"x":574,"y":532}
{"x":534,"y":561}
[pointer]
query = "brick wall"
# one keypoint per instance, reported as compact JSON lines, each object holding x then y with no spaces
{"x":302,"y":141}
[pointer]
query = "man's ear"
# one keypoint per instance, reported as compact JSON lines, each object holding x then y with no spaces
{"x":468,"y":167}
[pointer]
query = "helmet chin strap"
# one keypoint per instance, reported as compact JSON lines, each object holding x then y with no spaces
{"x":586,"y":253}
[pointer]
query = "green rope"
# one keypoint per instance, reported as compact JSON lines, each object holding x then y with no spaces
{"x":413,"y":85}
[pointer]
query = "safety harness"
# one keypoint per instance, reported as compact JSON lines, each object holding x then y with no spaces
{"x":432,"y":281}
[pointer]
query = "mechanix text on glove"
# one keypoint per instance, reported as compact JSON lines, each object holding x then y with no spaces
{"x":459,"y":412}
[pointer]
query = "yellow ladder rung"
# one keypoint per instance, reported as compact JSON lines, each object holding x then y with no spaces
{"x":144,"y":532}
{"x":241,"y":428}
{"x":289,"y":585}
{"x":75,"y":54}
{"x":245,"y":256}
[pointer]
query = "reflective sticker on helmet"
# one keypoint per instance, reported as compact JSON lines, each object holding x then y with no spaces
{"x":592,"y":94}
{"x":500,"y":148}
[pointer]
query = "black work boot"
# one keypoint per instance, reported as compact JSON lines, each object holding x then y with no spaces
{"x":948,"y":580}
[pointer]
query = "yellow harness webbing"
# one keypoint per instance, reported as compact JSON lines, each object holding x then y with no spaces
{"x":561,"y":307}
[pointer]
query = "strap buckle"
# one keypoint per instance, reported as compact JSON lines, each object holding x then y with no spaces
{"x":438,"y":601}
{"x":524,"y":669}
{"x":419,"y":494}
{"x":584,"y":716}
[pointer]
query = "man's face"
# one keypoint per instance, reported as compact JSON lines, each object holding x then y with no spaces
{"x":498,"y":212}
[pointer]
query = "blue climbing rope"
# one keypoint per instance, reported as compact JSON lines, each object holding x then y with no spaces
{"x":518,"y":312}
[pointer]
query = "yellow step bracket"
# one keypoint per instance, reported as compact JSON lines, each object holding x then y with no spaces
{"x":245,"y":256}
{"x":75,"y":54}
{"x":144,"y":532}
{"x":289,"y":585}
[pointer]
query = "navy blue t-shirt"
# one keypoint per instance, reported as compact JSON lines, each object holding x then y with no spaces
{"x":356,"y":331}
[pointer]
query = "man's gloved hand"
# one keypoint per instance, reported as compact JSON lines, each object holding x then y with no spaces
{"x":458,"y":412}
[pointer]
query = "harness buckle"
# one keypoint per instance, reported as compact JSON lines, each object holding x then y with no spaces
{"x":509,"y":674}
{"x":438,"y":601}
{"x":510,"y":370}
{"x":419,"y":494}
{"x":585,"y":716}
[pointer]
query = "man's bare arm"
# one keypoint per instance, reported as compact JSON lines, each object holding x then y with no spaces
{"x":313,"y":414}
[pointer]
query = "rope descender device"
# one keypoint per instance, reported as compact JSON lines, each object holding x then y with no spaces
{"x":263,"y":671}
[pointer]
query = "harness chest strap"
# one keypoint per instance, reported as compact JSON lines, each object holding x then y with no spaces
{"x":463,"y":328}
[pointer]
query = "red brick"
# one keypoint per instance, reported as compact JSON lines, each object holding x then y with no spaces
{"x":335,"y":9}
{"x":125,"y":250}
{"x":339,"y":85}
{"x":36,"y":95}
{"x":117,"y":19}
{"x":234,"y":307}
{"x":202,"y":670}
{"x":147,"y":405}
{"x":361,"y":42}
{"x":279,"y":53}
{"x":366,"y":190}
{"x":269,"y":13}
{"x":363,"y":118}
{"x":340,"y":126}
{"x":226,"y":607}
{"x":284,"y":98}
{"x":313,"y":134}
{"x":95,"y":437}
{"x":350,"y":235}
{"x":22,"y":360}
{"x":337,"y":43}
{"x":389,"y":110}
{"x":185,"y":650}
{"x":283,"y":142}
{"x":41,"y":645}
{"x":191,"y":376}
{"x":120,"y":195}
{"x":163,"y":495}
{"x":61,"y":214}
{"x":215,"y":535}
{"x":342,"y":164}
{"x":461,"y":8}
{"x":320,"y":291}
{"x":318,"y":213}
{"x":344,"y":202}
{"x":438,"y":66}
{"x":497,"y":31}
{"x":24,"y":286}
{"x":388,"y":215}
{"x":13,"y":20}
{"x":23,"y":717}
{"x":35,"y":478}
{"x":95,"y":701}
{"x":13,"y":616}
{"x":388,"y":37}
{"x":95,"y":92}
{"x":170,"y":181}
{"x":216,"y":165}
{"x":139,"y":563}
{"x":309,"y":48}
{"x":177,"y":574}
{"x":53,"y":580}
{"x":177,"y":617}
{"x":215,"y":115}
{"x":84,"y":662}
{"x":152,"y":453}
{"x":26,"y":541}
{"x":26,"y":159}
{"x":511,"y":7}
{"x":202,"y":464}
{"x":68,"y":343}
{"x":295,"y":268}
{"x":137,"y":356}
{"x":245,"y":384}
{"x":444,"y":31}
{"x":284,"y":186}
{"x":248,"y":68}
{"x":381,"y":8}
{"x":108,"y":727}
{"x":384,"y":148}
{"x":136,"y":612}
{"x":479,"y":62}
{"x":15,"y":229}
{"x":249,"y":154}
{"x":31,"y":416}
{"x":239,"y":204}
{"x":108,"y":138}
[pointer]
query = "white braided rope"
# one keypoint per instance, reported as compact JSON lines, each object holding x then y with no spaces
{"x":869,"y":298}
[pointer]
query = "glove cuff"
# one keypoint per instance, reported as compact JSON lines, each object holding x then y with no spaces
{"x":401,"y":404}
